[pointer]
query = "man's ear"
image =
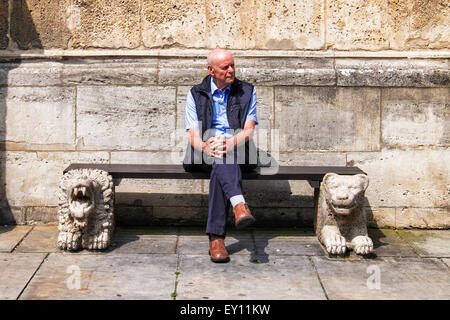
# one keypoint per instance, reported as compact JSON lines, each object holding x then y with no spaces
{"x":211,"y":71}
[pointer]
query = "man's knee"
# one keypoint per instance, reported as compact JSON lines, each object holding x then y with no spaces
{"x":226,"y":169}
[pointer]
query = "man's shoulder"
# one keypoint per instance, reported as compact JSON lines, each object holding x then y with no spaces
{"x":242,"y":82}
{"x":203,"y":86}
{"x":242,"y":85}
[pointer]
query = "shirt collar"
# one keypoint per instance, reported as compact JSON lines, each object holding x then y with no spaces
{"x":214,"y":87}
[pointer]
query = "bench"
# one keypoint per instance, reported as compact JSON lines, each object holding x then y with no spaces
{"x":79,"y":195}
{"x":313,"y":174}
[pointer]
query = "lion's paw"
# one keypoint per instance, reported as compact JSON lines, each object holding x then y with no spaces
{"x":335,"y":244}
{"x":362,"y":245}
{"x":69,"y":240}
{"x":98,"y":241}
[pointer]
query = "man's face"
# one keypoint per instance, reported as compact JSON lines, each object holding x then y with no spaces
{"x":223,"y":70}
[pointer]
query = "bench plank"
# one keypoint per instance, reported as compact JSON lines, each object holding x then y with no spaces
{"x":173,"y":171}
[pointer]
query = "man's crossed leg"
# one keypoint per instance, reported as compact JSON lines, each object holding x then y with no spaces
{"x":225,"y":188}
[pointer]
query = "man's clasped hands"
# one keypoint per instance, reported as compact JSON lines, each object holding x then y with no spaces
{"x":218,"y":146}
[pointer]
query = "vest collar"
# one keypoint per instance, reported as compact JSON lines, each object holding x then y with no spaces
{"x":205,"y":85}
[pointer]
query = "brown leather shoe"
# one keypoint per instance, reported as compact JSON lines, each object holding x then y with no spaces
{"x":242,"y":215}
{"x":217,"y":250}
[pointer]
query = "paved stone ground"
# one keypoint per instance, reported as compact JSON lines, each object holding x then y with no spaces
{"x":275,"y":264}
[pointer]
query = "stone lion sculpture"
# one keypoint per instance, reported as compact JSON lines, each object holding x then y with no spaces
{"x":341,"y":220}
{"x":86,"y":204}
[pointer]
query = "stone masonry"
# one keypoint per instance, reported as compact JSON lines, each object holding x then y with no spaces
{"x":363,"y":83}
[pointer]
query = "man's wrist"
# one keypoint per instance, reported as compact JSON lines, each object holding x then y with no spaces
{"x":231,"y":143}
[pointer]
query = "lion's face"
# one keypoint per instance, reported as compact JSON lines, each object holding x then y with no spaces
{"x":86,"y":209}
{"x":344,"y":193}
{"x":81,"y":196}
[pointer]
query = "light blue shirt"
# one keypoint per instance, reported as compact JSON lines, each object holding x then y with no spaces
{"x":220,"y":121}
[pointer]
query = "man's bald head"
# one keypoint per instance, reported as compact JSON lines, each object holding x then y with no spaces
{"x":221,"y":67}
{"x":218,"y":54}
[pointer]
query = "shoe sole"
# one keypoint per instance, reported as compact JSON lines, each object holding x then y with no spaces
{"x":221,"y":260}
{"x":245,"y":222}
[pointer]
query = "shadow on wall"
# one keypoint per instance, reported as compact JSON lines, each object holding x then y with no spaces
{"x":20,"y":33}
{"x":271,"y":202}
{"x":22,"y":29}
{"x":178,"y":209}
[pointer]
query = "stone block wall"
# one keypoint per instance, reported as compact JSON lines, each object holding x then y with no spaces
{"x":357,"y":83}
{"x":238,"y":24}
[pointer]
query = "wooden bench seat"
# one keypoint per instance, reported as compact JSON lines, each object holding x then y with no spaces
{"x":173,"y":171}
{"x":313,"y":174}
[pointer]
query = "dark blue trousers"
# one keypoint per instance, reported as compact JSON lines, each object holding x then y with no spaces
{"x":225,"y":182}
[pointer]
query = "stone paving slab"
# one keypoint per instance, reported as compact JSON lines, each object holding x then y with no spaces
{"x":302,"y":246}
{"x":387,"y":243}
{"x":143,"y":245}
{"x":141,"y":264}
{"x":301,"y":242}
{"x":399,"y":278}
{"x":43,"y":238}
{"x":145,"y":240}
{"x":201,"y":232}
{"x":283,"y":233}
{"x":280,"y":278}
{"x":104,"y":276}
{"x":16,"y":269}
{"x":10,"y":236}
{"x":194,"y":241}
{"x":125,"y":240}
{"x":282,"y":241}
{"x":428,"y":243}
{"x":200,"y":246}
{"x":145,"y":232}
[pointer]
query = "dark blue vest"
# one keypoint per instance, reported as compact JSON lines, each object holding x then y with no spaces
{"x":238,"y":103}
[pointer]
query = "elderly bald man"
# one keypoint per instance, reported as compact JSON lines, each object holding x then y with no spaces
{"x":220,"y":119}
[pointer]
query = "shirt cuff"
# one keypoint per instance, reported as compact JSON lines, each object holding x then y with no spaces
{"x":252,"y":117}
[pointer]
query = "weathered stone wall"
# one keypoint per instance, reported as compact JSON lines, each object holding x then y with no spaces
{"x":238,"y":24}
{"x":363,"y":83}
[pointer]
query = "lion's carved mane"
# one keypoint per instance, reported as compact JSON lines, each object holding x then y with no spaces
{"x":86,"y":204}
